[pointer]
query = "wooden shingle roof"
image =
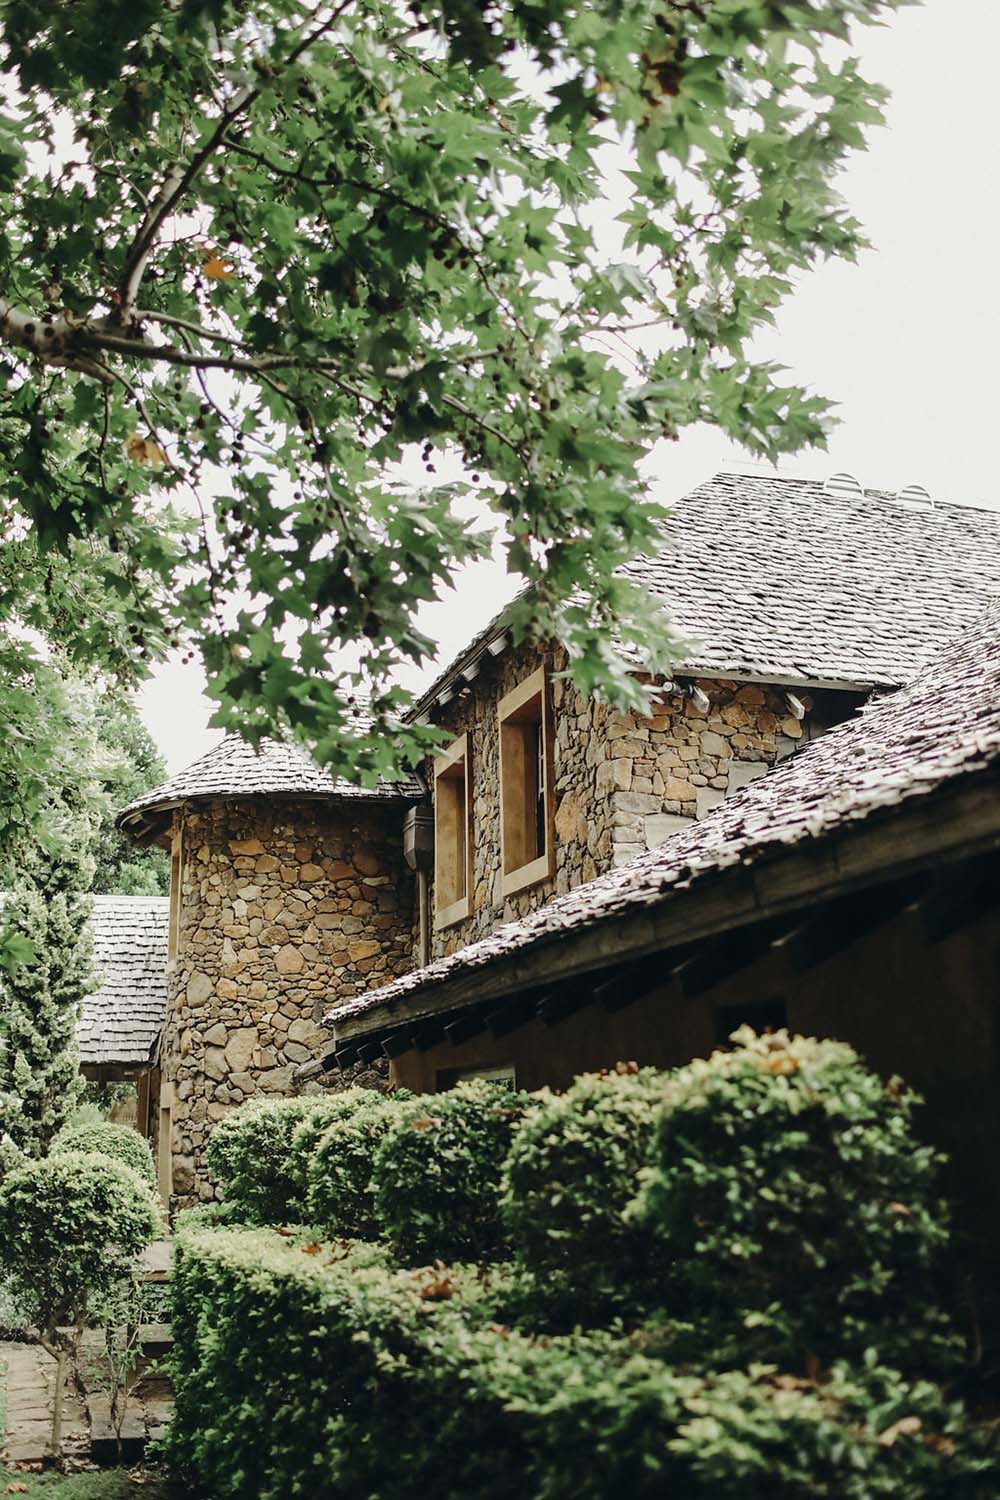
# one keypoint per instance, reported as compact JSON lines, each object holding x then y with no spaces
{"x":944,"y":727}
{"x":121,"y":1022}
{"x":234,"y":769}
{"x":783,"y":581}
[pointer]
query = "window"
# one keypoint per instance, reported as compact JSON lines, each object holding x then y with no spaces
{"x":526,"y":785}
{"x":452,"y":847}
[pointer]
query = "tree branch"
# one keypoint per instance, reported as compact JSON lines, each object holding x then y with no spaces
{"x":179,"y":179}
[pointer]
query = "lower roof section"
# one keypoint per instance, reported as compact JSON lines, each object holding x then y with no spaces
{"x":923,"y":759}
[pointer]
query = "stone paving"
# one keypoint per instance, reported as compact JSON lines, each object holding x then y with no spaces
{"x":30,"y":1380}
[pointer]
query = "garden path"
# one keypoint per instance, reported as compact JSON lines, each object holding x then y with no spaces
{"x":30,"y":1380}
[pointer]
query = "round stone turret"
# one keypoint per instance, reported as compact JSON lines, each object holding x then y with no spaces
{"x":289,"y":892}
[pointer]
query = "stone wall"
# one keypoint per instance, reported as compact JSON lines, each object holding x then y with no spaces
{"x":622,"y":783}
{"x":286,"y":908}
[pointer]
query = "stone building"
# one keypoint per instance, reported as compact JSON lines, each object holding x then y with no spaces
{"x":291,"y":893}
{"x":853,"y":892}
{"x":286,"y":888}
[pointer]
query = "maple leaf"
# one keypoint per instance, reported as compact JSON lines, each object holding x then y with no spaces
{"x":217,"y":269}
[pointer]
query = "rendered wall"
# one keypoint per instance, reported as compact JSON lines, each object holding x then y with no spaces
{"x":285,"y":908}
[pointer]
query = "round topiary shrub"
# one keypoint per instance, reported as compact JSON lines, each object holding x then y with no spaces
{"x":108,"y":1139}
{"x":260,"y":1153}
{"x":571,"y":1172}
{"x":801,"y":1218}
{"x":71,"y":1227}
{"x":341,"y":1196}
{"x":436,"y":1173}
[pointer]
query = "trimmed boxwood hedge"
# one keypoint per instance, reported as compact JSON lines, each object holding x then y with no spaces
{"x":571,"y":1172}
{"x":436,"y":1172}
{"x":260,"y":1152}
{"x":313,"y":1369}
{"x":340,"y":1196}
{"x":802,"y":1216}
{"x":120,"y":1142}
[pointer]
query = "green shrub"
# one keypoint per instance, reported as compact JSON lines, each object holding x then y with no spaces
{"x":316,"y":1370}
{"x":281,"y":1356}
{"x":117,"y":1141}
{"x":341,"y":1198}
{"x":437,"y":1173}
{"x":571,"y":1172}
{"x":260,"y":1152}
{"x":801,"y":1216}
{"x":71,"y":1227}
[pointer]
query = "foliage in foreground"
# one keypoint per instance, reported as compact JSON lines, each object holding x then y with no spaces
{"x":786,"y":1184}
{"x":307,"y":245}
{"x":571,"y":1172}
{"x":403,"y":1384}
{"x":261,"y":1153}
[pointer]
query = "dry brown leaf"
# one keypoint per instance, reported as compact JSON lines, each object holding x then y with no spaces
{"x":17,"y":1488}
{"x":940,"y":1442}
{"x":217,"y":269}
{"x":312,"y":1248}
{"x":144,"y":450}
{"x":905,"y":1427}
{"x":424,"y":1122}
{"x":900,"y":1209}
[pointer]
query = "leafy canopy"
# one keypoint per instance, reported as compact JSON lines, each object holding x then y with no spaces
{"x":259,"y":255}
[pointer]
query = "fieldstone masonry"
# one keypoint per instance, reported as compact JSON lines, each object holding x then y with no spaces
{"x":622,"y":783}
{"x":286,"y":907}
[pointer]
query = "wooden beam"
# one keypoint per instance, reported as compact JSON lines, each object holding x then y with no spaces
{"x":518,"y":1011}
{"x":836,"y":926}
{"x":472,"y":1023}
{"x":428,"y":1034}
{"x":368,"y":1051}
{"x":720,"y":957}
{"x":556,"y":1005}
{"x":398,"y":1043}
{"x":952,"y":904}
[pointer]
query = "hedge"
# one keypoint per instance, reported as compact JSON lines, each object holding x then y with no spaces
{"x":437,"y":1173}
{"x":802,"y":1216}
{"x":260,"y":1152}
{"x":311,"y":1369}
{"x":570,"y":1174}
{"x":340,"y":1193}
{"x":120,"y":1142}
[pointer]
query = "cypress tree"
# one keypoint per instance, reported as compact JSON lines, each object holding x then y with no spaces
{"x":49,"y":973}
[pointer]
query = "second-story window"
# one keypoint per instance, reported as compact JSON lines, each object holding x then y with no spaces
{"x":525,"y":785}
{"x":452,"y":844}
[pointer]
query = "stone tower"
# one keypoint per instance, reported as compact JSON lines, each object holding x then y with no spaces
{"x":289,"y":891}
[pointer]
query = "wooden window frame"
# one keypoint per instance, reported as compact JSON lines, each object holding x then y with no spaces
{"x":515,"y":707}
{"x":457,"y":754}
{"x":176,"y":882}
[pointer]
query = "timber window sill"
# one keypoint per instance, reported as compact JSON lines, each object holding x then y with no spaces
{"x":528,"y":875}
{"x":448,"y":916}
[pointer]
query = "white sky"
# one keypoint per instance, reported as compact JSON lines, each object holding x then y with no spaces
{"x":905,"y":341}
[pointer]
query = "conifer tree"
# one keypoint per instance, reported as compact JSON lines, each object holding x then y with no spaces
{"x":48,"y":974}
